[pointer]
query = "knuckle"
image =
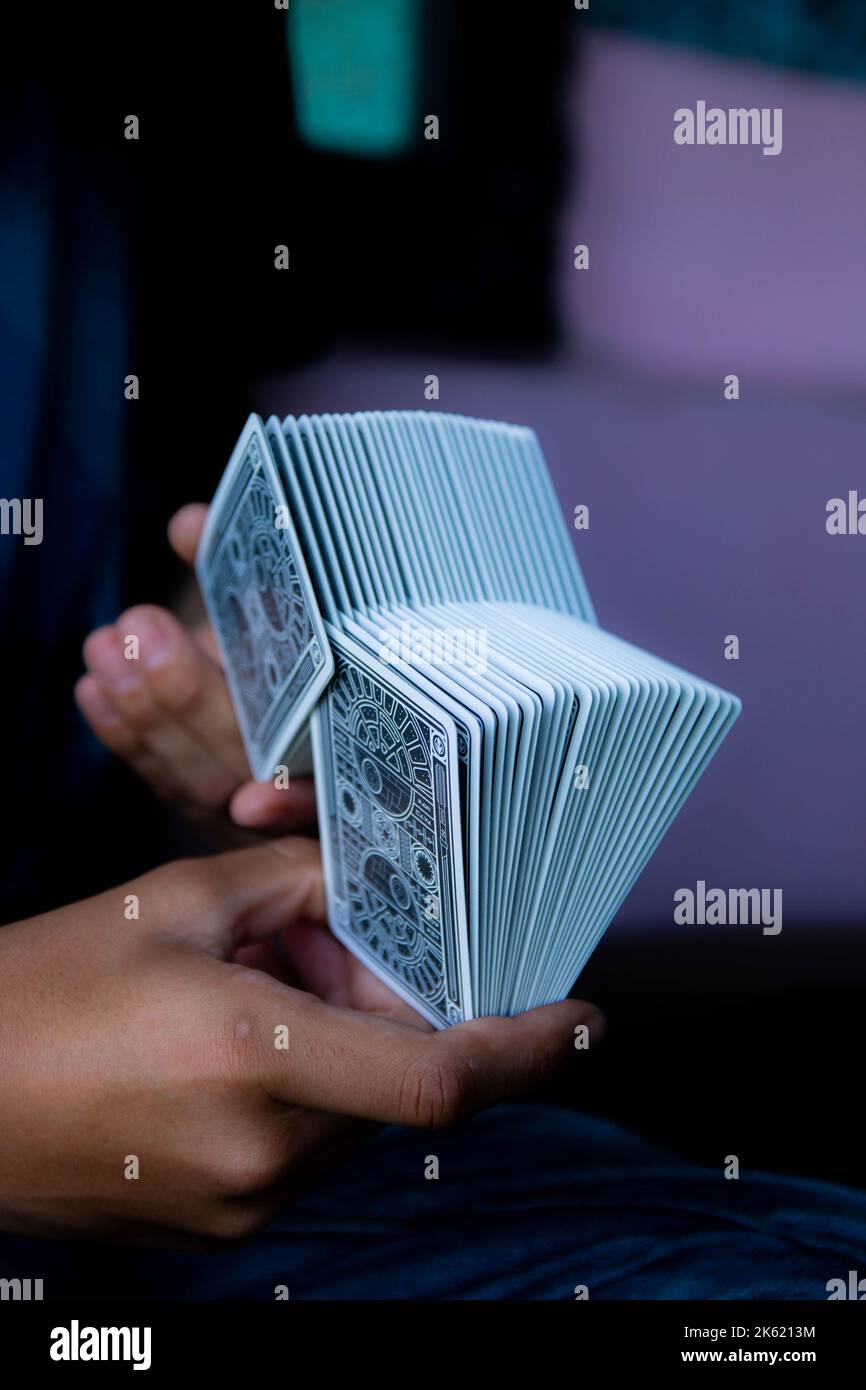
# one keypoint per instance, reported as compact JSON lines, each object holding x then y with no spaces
{"x":227,"y":1222}
{"x":139,"y":709}
{"x":241,"y":1051}
{"x":246,"y":1170}
{"x":192,"y":885}
{"x":434,"y":1092}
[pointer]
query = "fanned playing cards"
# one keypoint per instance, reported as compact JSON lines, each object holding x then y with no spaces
{"x":492,"y":770}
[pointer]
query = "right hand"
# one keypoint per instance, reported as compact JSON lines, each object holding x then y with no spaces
{"x":156,"y":1039}
{"x":169,"y":714}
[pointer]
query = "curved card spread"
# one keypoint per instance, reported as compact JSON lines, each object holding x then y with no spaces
{"x":386,"y":780}
{"x":521,"y":795}
{"x":260,"y":601}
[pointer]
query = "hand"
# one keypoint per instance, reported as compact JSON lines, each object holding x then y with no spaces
{"x":154,"y":1040}
{"x":170,"y":716}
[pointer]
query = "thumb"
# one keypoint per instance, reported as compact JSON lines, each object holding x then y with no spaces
{"x":378,"y":1069}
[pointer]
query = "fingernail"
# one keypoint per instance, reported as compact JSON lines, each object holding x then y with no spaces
{"x":153,"y":643}
{"x":112,"y":667}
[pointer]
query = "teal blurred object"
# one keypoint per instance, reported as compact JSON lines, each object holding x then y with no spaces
{"x":354,"y":73}
{"x":827,"y":36}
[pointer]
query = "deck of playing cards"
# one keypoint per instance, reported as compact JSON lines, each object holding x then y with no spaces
{"x":492,"y":770}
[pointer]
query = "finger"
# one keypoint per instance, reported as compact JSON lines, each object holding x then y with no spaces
{"x":262,"y":806}
{"x":102,"y":716}
{"x":186,"y":684}
{"x":255,"y":893}
{"x":184,"y":534}
{"x":203,"y":779}
{"x":185,"y":528}
{"x":378,"y":1069}
{"x":262,"y":955}
{"x":117,"y":736}
{"x":203,"y":633}
{"x":322,"y":965}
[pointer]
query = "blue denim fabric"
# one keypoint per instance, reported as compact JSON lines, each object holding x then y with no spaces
{"x":531,"y":1201}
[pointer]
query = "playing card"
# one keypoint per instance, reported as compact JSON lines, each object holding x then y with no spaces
{"x":257,"y":590}
{"x":387,"y":786}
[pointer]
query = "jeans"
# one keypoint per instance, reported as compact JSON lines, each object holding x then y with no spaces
{"x":531,"y":1202}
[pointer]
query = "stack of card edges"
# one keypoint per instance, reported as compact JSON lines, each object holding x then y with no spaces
{"x":397,"y":594}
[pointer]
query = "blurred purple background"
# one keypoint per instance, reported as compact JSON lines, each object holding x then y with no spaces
{"x":707,"y":517}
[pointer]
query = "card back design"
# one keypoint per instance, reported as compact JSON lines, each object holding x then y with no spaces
{"x":261,"y":604}
{"x":386,"y":772}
